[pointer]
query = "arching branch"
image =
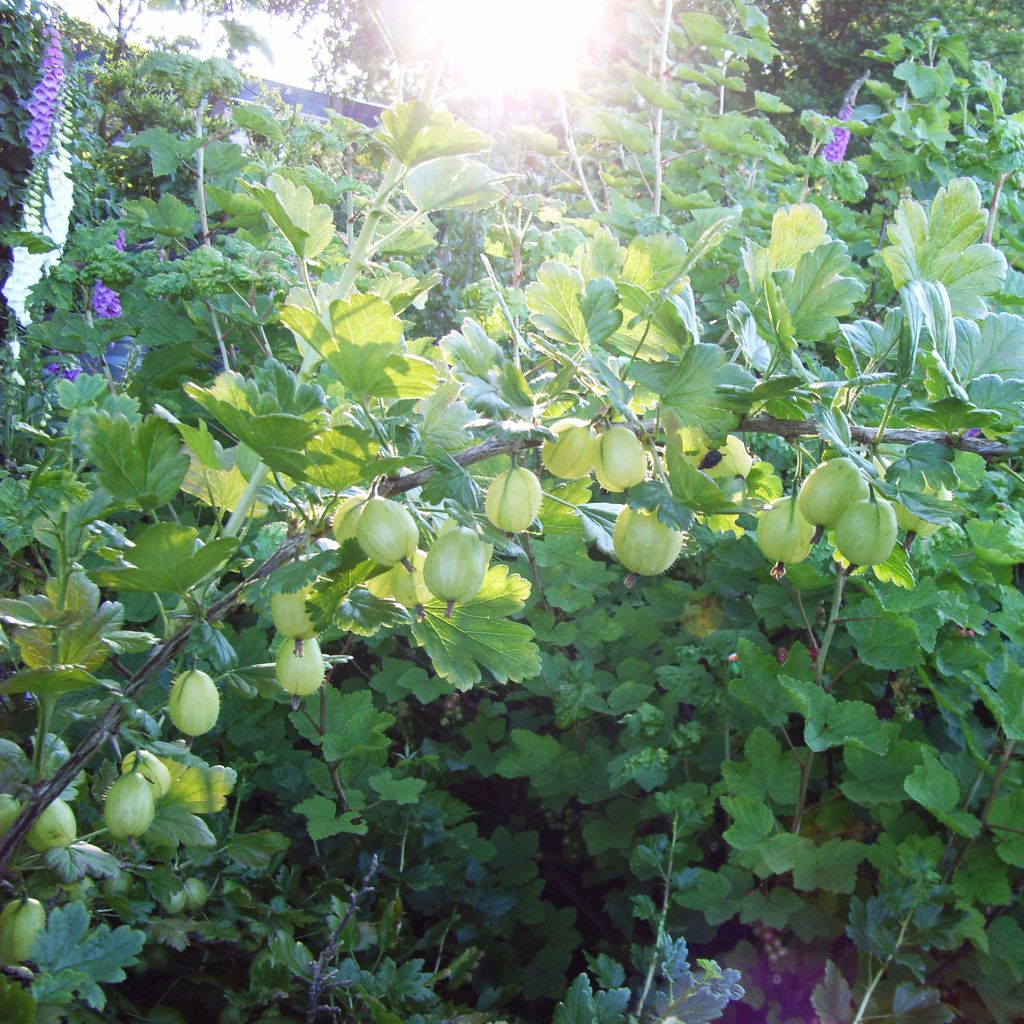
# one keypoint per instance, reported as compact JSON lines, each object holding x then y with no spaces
{"x":46,"y":792}
{"x":793,"y":429}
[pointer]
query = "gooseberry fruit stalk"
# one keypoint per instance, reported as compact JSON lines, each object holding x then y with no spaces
{"x":299,"y":668}
{"x":408,"y":588}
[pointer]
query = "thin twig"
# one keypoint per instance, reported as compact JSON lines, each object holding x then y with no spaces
{"x":542,"y":601}
{"x":659,"y":170}
{"x":570,"y":143}
{"x":993,"y":210}
{"x":791,"y":429}
{"x":322,"y":978}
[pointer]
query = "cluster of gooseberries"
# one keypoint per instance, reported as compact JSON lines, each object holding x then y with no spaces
{"x":129,"y":809}
{"x":836,"y":496}
{"x":454,"y":568}
{"x":299,"y":668}
{"x":642,"y":543}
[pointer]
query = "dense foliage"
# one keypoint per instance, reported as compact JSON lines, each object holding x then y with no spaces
{"x":823,"y":45}
{"x":463,"y":579}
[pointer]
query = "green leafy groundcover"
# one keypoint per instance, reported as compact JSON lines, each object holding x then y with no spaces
{"x":553,"y":789}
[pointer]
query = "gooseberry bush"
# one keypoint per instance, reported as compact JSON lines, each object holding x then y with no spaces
{"x":568,"y":575}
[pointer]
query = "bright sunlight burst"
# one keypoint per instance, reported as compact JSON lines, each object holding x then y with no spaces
{"x":529,"y":44}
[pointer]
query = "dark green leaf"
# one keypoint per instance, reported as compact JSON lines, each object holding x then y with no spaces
{"x":256,"y":850}
{"x":48,"y":682}
{"x":693,"y":390}
{"x":75,"y":961}
{"x":136,"y":462}
{"x":832,"y":999}
{"x":913,"y":1005}
{"x":167,"y":559}
{"x":480,"y":634}
{"x":16,"y":1003}
{"x":655,"y":498}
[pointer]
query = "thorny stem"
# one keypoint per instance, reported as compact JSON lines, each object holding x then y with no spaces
{"x":45,"y":712}
{"x":517,"y":338}
{"x":323,"y":978}
{"x":215,"y":320}
{"x":339,"y":789}
{"x":819,"y":675}
{"x":830,"y":627}
{"x":807,"y":624}
{"x":574,"y":154}
{"x":649,"y":979}
{"x":542,"y":601}
{"x":1004,"y":762}
{"x":659,"y":171}
{"x":877,"y":977}
{"x":993,"y":210}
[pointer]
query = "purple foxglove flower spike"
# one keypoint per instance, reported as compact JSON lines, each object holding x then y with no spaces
{"x":106,"y":303}
{"x":119,"y":241}
{"x":67,"y":373}
{"x":50,"y":197}
{"x":834,"y":151}
{"x":43,"y":103}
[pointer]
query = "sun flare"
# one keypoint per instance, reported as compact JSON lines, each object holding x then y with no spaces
{"x":531,"y":44}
